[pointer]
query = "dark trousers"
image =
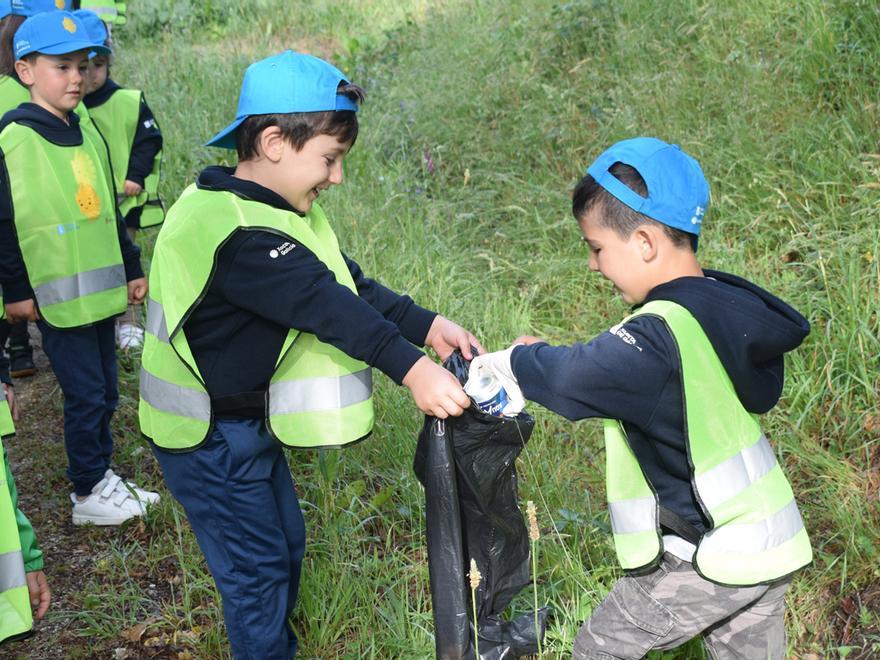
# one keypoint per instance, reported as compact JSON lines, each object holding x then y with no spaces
{"x":16,"y":334}
{"x":84,"y":362}
{"x":239,"y":497}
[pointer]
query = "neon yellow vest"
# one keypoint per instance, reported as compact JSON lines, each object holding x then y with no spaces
{"x":756,"y":533}
{"x":109,"y":11}
{"x":65,"y":219}
{"x":318,"y":395}
{"x":117,"y":119}
{"x":15,"y":607}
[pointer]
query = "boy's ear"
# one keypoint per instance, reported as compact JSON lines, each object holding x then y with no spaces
{"x":647,"y":242}
{"x":24,"y":73}
{"x":271,"y":143}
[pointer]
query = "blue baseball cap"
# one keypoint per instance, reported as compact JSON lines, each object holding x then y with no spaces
{"x":285,"y":83}
{"x":54,"y":33}
{"x":95,"y":27}
{"x":678,"y":193}
{"x":31,"y":7}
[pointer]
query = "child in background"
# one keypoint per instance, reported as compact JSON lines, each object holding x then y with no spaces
{"x":66,"y":260}
{"x":704,"y":521}
{"x":135,"y":143}
{"x":13,"y":94}
{"x":261,"y":334}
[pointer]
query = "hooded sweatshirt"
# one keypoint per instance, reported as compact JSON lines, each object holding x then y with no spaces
{"x":13,"y":276}
{"x":259,"y":291}
{"x":632,"y":373}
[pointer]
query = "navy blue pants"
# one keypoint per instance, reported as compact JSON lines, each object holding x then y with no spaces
{"x":84,"y":362}
{"x":237,"y":492}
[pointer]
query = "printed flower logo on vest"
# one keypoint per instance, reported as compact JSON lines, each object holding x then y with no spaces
{"x":86,"y":178}
{"x":69,"y":25}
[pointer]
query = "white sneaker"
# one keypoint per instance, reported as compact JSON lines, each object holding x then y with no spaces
{"x":129,"y":335}
{"x":147,"y":496}
{"x":111,"y":503}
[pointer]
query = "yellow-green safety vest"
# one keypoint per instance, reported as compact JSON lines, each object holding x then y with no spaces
{"x":756,"y":534}
{"x":15,"y":607}
{"x":109,"y":11}
{"x":318,"y":396}
{"x":64,"y":213}
{"x":117,"y":119}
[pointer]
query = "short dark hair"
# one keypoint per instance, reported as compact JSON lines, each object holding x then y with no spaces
{"x":8,"y":27}
{"x":615,"y":214}
{"x":300,"y":127}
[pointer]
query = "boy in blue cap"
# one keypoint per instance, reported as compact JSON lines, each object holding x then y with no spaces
{"x":704,"y":521}
{"x":261,"y":334}
{"x":66,"y":260}
{"x":135,"y":144}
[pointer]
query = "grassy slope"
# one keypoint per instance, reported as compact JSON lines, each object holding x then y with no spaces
{"x":511,"y":101}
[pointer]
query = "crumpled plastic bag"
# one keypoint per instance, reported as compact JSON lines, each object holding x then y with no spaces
{"x":467,"y":466}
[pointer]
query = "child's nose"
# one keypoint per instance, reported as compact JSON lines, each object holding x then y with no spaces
{"x":336,"y":174}
{"x":594,"y":263}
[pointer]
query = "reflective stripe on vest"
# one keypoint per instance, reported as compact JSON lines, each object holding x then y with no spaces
{"x":15,"y":606}
{"x":117,"y":119}
{"x":63,"y":206}
{"x":757,"y":533}
{"x":317,"y":396}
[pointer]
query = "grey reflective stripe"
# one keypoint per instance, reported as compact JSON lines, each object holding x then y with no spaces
{"x":81,"y":284}
{"x":731,"y":477}
{"x":175,"y":399}
{"x":754,"y":538}
{"x":156,"y":320}
{"x":325,"y":393}
{"x":11,"y":571}
{"x":633,"y":516}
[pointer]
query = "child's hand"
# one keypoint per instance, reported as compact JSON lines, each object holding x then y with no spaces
{"x":444,"y":336}
{"x":10,"y":399}
{"x":23,"y":310}
{"x":137,"y":291}
{"x":528,"y":340}
{"x":435,"y":391}
{"x":39,"y":592}
{"x":131,"y":189}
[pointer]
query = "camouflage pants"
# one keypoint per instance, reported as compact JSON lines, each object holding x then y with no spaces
{"x":673,"y":604}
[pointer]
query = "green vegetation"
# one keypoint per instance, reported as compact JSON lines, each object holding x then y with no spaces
{"x":481,"y":117}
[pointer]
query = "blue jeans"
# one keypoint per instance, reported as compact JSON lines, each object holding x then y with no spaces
{"x":239,"y":497}
{"x":84,"y":362}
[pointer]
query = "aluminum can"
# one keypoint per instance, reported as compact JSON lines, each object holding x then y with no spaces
{"x":488,"y":394}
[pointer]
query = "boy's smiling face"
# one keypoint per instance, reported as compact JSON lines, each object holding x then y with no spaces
{"x":56,"y":82}
{"x":303,"y":174}
{"x":622,"y":261}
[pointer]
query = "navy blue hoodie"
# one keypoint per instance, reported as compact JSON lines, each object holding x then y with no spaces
{"x":632,"y":373}
{"x":259,"y":291}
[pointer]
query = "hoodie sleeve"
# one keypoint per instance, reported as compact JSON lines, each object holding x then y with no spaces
{"x":30,"y":552}
{"x":413,"y":321}
{"x":13,"y":276}
{"x":619,"y":375}
{"x":147,"y":143}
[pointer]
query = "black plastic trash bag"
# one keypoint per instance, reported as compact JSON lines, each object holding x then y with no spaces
{"x":467,"y":465}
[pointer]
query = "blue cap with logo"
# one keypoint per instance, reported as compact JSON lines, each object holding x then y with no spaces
{"x":31,"y":7}
{"x":95,"y":27}
{"x":285,"y":83}
{"x":678,"y":193}
{"x":54,"y":33}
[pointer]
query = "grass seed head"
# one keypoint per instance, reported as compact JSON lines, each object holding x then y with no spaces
{"x":532,"y":512}
{"x":474,"y":575}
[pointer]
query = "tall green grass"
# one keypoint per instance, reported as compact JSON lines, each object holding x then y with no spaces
{"x":510,"y":102}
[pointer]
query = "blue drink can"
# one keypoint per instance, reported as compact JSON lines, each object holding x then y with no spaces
{"x":488,"y":394}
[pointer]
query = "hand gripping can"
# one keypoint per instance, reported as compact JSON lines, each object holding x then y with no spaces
{"x":488,"y":394}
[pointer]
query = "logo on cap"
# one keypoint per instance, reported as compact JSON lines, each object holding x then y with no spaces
{"x":59,"y":4}
{"x":69,"y":25}
{"x":698,"y":215}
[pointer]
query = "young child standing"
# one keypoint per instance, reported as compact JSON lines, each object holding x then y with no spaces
{"x":13,"y":94}
{"x":704,"y":521}
{"x":261,"y":334}
{"x":66,"y":260}
{"x":135,"y":143}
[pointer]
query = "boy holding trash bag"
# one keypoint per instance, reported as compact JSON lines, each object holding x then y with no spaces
{"x":704,"y":520}
{"x":261,"y":334}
